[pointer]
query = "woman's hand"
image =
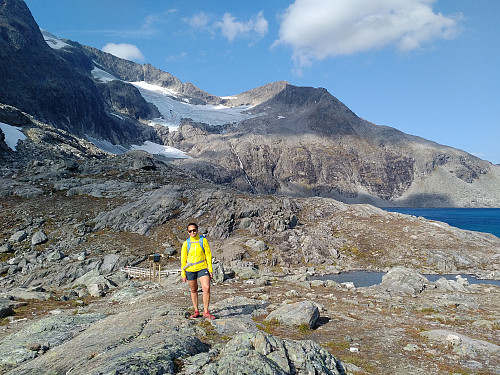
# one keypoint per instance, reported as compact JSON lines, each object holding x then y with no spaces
{"x":184,"y":279}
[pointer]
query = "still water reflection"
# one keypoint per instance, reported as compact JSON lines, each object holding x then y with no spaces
{"x":368,"y":278}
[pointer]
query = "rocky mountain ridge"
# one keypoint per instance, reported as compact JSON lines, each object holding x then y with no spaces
{"x":37,"y":80}
{"x":298,"y":141}
{"x":337,"y":162}
{"x":339,"y":155}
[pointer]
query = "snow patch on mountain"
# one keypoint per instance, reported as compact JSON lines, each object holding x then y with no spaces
{"x":106,"y":146}
{"x":156,"y":149}
{"x":13,"y":135}
{"x":174,"y":107}
{"x":102,"y":75}
{"x":53,"y":41}
{"x":151,"y":147}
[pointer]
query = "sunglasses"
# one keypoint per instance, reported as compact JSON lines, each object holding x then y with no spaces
{"x":192,"y":230}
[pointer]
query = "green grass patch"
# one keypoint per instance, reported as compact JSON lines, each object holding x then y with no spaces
{"x":268,"y":326}
{"x":337,"y":346}
{"x":6,"y":256}
{"x":304,"y":328}
{"x":428,"y":310}
{"x":361,"y":362}
{"x":352,"y":250}
{"x":4,"y":321}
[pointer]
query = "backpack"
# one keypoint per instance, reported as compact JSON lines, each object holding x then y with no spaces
{"x":200,"y":242}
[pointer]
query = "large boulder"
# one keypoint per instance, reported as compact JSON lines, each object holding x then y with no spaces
{"x":403,"y":281}
{"x":296,"y":314}
{"x":96,"y":284}
{"x":38,"y":238}
{"x":260,"y":353}
{"x":462,"y":345}
{"x":19,"y":236}
{"x":218,"y":272}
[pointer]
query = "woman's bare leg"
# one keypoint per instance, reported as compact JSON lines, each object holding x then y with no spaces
{"x":205,"y":285}
{"x":193,"y":285}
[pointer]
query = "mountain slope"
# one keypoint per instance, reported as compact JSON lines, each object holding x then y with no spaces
{"x":306,"y":143}
{"x":274,"y":139}
{"x":37,"y":79}
{"x":132,"y":72}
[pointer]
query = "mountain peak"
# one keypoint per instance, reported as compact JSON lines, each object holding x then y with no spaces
{"x":19,"y":30}
{"x":257,"y":95}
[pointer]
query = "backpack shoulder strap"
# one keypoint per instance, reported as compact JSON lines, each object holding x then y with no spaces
{"x":200,"y":242}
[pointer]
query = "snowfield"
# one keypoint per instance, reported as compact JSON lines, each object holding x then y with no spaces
{"x":102,"y":75}
{"x":156,"y":149}
{"x":173,"y":109}
{"x":13,"y":134}
{"x":53,"y":41}
{"x":172,"y":106}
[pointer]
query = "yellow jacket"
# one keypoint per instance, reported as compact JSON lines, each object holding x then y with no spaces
{"x":196,"y":254}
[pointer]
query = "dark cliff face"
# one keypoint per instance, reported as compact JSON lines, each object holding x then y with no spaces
{"x":295,"y":162}
{"x":35,"y":80}
{"x":306,"y":110}
{"x":4,"y":149}
{"x":126,"y":99}
{"x":39,"y":81}
{"x":305,"y":142}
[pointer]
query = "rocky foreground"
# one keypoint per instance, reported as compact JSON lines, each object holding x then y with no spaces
{"x":73,"y":217}
{"x":268,"y":324}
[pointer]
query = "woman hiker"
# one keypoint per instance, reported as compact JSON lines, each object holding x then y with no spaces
{"x":196,"y":263}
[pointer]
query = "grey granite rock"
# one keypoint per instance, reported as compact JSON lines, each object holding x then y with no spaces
{"x":6,"y":248}
{"x":463,"y":345}
{"x":260,"y":353}
{"x":296,"y":314}
{"x":401,"y":280}
{"x":38,"y":238}
{"x":19,"y":236}
{"x":6,"y":307}
{"x":49,"y":332}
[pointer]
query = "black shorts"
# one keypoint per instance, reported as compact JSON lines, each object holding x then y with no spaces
{"x":197,"y":274}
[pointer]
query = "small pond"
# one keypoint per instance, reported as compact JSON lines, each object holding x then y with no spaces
{"x":369,"y":278}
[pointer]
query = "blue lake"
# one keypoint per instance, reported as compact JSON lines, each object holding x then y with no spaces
{"x":369,"y":278}
{"x":476,"y":219}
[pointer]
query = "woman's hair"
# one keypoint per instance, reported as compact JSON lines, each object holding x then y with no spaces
{"x":192,"y":225}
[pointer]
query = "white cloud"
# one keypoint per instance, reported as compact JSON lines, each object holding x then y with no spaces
{"x":198,"y":21}
{"x":151,"y":20}
{"x":175,"y":58}
{"x":317,"y":29}
{"x":125,"y":51}
{"x":231,"y":29}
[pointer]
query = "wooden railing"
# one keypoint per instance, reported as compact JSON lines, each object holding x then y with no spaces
{"x":151,"y":273}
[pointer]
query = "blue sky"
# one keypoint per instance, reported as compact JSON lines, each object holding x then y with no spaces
{"x":427,"y":67}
